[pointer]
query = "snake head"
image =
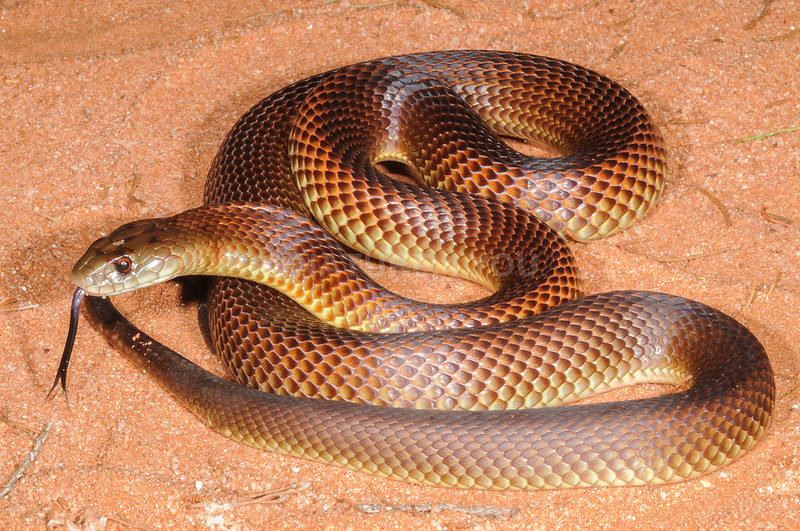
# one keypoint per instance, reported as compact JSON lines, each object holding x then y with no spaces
{"x":136,"y":255}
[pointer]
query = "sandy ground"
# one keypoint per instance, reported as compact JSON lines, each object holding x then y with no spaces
{"x":112,"y":112}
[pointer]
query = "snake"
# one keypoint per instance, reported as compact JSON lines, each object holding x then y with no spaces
{"x":405,"y":160}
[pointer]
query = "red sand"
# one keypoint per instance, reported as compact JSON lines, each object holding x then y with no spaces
{"x":113,"y":112}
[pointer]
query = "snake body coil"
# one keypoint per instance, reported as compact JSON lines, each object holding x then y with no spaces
{"x":312,"y":150}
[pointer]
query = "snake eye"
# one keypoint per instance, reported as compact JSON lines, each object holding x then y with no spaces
{"x":123,"y":264}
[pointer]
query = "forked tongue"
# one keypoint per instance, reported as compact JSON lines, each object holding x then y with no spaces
{"x":61,"y":375}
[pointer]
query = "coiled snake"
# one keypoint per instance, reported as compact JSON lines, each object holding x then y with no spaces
{"x":312,"y":151}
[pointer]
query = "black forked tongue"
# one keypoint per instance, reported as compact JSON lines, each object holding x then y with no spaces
{"x":61,"y":375}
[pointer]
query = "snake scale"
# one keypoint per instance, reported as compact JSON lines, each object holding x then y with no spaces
{"x":302,"y":174}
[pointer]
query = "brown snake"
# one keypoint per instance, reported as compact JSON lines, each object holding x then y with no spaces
{"x":311,"y":151}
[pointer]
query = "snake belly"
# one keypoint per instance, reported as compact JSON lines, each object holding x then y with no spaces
{"x":315,"y":148}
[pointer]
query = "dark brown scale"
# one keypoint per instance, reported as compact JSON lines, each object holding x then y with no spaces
{"x":320,"y":139}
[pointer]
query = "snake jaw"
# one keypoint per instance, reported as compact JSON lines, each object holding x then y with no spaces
{"x":104,"y":279}
{"x":132,"y":257}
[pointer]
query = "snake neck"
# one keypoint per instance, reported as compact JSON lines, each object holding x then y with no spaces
{"x":281,"y":249}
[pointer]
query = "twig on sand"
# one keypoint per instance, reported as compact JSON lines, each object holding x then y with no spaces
{"x":782,"y":36}
{"x":38,"y":442}
{"x":697,"y":256}
{"x":6,"y":305}
{"x":688,"y":121}
{"x":775,"y":218}
{"x":127,"y":524}
{"x":791,"y":392}
{"x":440,"y":4}
{"x":271,"y":496}
{"x":626,"y":245}
{"x":617,"y":50}
{"x":749,"y":301}
{"x":777,"y":102}
{"x":373,"y":5}
{"x":762,"y":136}
{"x":132,"y":199}
{"x":276,"y":495}
{"x":760,"y":15}
{"x":717,"y":203}
{"x":477,"y":510}
{"x":774,"y":284}
{"x":18,"y":427}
